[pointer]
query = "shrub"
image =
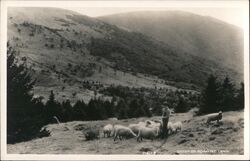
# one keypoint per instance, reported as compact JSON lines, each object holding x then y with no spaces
{"x":91,"y":134}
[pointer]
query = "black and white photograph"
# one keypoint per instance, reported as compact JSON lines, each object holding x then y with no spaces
{"x":125,"y":78}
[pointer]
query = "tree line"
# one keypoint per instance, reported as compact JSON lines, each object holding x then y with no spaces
{"x":221,"y":96}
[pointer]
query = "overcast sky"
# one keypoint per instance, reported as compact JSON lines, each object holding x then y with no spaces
{"x":233,"y":16}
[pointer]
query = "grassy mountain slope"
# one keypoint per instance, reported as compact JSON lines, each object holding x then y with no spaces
{"x":74,"y":55}
{"x":202,"y":36}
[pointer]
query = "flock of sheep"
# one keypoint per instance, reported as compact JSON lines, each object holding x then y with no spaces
{"x":148,"y":129}
{"x":142,"y":130}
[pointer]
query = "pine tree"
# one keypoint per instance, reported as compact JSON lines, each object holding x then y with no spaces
{"x":227,"y":95}
{"x":122,"y":109}
{"x":182,"y":105}
{"x":109,"y":108}
{"x":79,"y":111}
{"x":67,"y":111}
{"x":132,"y":107}
{"x":210,"y":96}
{"x":23,"y":113}
{"x":95,"y":110}
{"x":53,"y":108}
{"x":239,"y":101}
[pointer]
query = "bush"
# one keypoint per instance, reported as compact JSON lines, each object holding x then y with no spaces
{"x":43,"y":133}
{"x":91,"y":134}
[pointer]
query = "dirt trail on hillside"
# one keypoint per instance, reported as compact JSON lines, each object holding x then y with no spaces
{"x":196,"y":137}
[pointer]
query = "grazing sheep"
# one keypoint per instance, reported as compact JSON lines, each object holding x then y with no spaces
{"x":154,"y":125}
{"x":147,"y":133}
{"x":142,"y":123}
{"x":149,"y":122}
{"x":107,"y":130}
{"x":135,"y":127}
{"x":177,"y":127}
{"x":214,"y":117}
{"x":158,"y":121}
{"x":113,"y":119}
{"x":170,"y":128}
{"x":123,"y":132}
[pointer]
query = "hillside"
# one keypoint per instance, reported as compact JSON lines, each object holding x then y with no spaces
{"x":195,"y":138}
{"x":201,"y":36}
{"x":75,"y":55}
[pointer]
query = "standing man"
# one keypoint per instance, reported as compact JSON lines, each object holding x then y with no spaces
{"x":165,"y":118}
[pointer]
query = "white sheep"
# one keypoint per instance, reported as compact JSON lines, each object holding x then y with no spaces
{"x":142,"y":123}
{"x":155,"y":125}
{"x":177,"y":126}
{"x":149,"y":122}
{"x":112,"y":119}
{"x":158,"y":121}
{"x":121,"y":132}
{"x":135,"y":127}
{"x":170,"y":128}
{"x":107,"y":130}
{"x":214,"y":117}
{"x":147,"y":133}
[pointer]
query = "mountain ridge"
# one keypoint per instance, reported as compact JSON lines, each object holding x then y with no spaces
{"x":74,"y":55}
{"x":195,"y":33}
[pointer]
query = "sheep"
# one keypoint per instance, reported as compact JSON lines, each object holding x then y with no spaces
{"x":121,"y":131}
{"x":148,"y":121}
{"x":170,"y":128}
{"x":158,"y":121}
{"x":107,"y":130}
{"x":177,"y":127}
{"x":154,"y":125}
{"x":147,"y":133}
{"x":135,"y":127}
{"x":113,"y":119}
{"x":214,"y":117}
{"x":142,"y":123}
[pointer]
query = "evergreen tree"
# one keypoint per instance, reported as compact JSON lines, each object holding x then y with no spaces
{"x":145,"y":108}
{"x":109,"y":108}
{"x":210,"y":96}
{"x":132,"y":107}
{"x":239,"y":101}
{"x":23,"y":113}
{"x":227,"y":95}
{"x":182,"y":105}
{"x":101,"y":110}
{"x":53,"y":108}
{"x":79,"y":111}
{"x":67,"y":111}
{"x":95,"y":110}
{"x":122,"y":109}
{"x":90,"y":110}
